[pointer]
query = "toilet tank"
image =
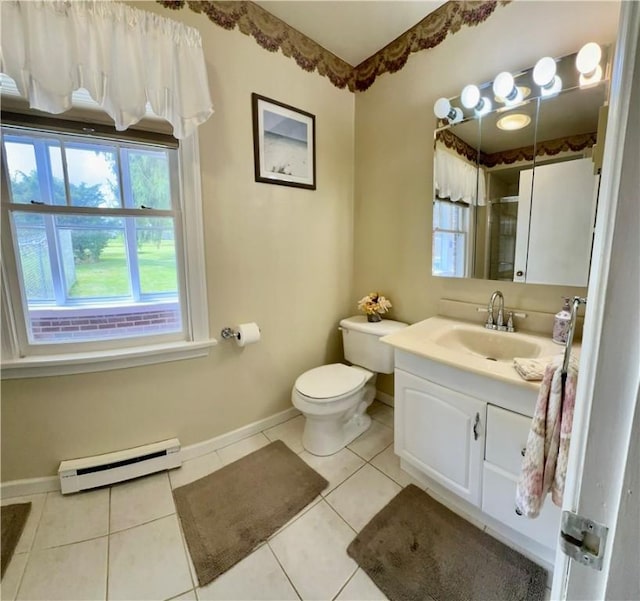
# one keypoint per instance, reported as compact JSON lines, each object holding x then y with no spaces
{"x":362,"y":346}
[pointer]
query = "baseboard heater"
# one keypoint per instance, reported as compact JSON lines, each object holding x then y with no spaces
{"x":101,"y":470}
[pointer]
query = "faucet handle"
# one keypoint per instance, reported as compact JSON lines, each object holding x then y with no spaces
{"x":489,"y":323}
{"x":500,"y":321}
{"x":510,"y":327}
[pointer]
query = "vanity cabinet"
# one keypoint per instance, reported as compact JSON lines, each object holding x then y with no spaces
{"x":441,"y":432}
{"x":450,"y":427}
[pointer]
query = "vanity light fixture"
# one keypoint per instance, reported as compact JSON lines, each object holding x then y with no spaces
{"x":513,"y":122}
{"x":588,"y":63}
{"x":504,"y":87}
{"x":544,"y":75}
{"x":471,"y":99}
{"x":443,"y":110}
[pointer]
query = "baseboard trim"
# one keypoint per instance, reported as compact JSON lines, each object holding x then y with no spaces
{"x":385,"y":398}
{"x":33,"y":486}
{"x":29,"y":486}
{"x":213,"y":444}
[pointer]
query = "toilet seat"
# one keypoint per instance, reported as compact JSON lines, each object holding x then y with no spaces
{"x":323,"y":384}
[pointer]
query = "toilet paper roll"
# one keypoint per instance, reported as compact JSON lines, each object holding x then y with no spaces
{"x":248,"y":333}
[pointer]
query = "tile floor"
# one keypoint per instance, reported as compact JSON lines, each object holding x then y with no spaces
{"x":125,"y":542}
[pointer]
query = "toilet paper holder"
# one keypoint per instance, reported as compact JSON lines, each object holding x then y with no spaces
{"x":243,"y":334}
{"x":228,"y":333}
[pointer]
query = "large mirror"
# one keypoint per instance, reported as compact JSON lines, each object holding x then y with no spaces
{"x":516,"y":187}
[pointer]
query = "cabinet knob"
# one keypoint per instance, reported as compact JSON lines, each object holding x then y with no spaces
{"x":518,"y":512}
{"x":523,"y":451}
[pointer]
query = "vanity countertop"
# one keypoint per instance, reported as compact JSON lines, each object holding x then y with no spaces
{"x":461,"y":344}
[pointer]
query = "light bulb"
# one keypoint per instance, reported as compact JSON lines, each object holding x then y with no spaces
{"x":443,"y":110}
{"x":588,"y":58}
{"x":544,"y":71}
{"x":503,"y":84}
{"x":470,"y":96}
{"x":483,"y":107}
{"x":552,"y":88}
{"x":589,"y":79}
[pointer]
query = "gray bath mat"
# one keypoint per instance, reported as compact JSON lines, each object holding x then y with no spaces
{"x":226,"y":514}
{"x":415,"y":549}
{"x":12,"y":521}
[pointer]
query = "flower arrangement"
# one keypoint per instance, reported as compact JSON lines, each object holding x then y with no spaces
{"x":373,"y":305}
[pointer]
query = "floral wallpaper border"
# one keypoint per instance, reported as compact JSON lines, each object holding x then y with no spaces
{"x":553,"y":147}
{"x":575,"y":143}
{"x":274,"y":34}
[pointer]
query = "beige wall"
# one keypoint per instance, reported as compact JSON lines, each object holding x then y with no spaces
{"x":280,"y":256}
{"x":285,"y":257}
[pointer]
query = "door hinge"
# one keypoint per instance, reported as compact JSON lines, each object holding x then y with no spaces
{"x":583,"y":539}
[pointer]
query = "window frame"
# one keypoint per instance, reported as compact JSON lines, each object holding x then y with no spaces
{"x":21,"y":359}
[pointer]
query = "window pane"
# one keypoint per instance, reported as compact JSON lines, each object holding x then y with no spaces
{"x":32,"y":250}
{"x":93,"y":175}
{"x":150,"y":184}
{"x":94,"y":257}
{"x":23,"y":171}
{"x":448,"y":254}
{"x":157,"y":256}
{"x":58,"y":192}
{"x":449,"y":216}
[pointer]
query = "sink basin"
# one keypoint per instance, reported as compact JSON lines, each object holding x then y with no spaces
{"x":471,"y":347}
{"x":489,"y":344}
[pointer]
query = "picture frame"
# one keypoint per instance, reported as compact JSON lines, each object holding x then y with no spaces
{"x":284,"y":144}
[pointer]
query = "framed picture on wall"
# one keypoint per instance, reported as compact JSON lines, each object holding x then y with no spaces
{"x":284,"y":144}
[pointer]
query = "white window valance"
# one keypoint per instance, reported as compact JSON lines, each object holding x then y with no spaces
{"x":458,"y":180}
{"x":124,"y":57}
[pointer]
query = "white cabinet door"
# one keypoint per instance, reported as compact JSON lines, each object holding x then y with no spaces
{"x":441,"y":432}
{"x":499,"y":501}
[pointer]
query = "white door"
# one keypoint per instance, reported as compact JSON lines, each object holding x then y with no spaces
{"x":441,"y":432}
{"x":561,"y":227}
{"x":604,"y":473}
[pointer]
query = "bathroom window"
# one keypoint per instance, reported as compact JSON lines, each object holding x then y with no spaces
{"x":450,"y":238}
{"x":96,"y":243}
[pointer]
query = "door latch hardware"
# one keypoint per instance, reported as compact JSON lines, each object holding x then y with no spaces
{"x":583,"y":539}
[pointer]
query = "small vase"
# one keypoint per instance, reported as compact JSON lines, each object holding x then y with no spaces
{"x":373,"y":317}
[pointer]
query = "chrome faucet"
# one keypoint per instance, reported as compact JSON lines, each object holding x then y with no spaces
{"x":494,"y":323}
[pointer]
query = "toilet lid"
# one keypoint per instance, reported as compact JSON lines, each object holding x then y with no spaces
{"x":329,"y":381}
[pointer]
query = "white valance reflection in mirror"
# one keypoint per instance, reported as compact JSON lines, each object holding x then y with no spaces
{"x":533,"y":157}
{"x":457,"y":192}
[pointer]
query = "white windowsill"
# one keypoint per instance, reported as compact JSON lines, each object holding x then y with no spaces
{"x":79,"y":363}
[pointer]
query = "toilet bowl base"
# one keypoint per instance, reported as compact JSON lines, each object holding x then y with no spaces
{"x":322,"y":437}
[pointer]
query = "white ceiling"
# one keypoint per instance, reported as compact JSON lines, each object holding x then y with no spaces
{"x":351,"y":29}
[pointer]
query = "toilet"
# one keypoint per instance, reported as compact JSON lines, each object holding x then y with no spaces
{"x":334,"y":398}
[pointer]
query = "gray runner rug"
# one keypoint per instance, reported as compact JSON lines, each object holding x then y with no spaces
{"x":415,"y":549}
{"x":12,"y":521}
{"x":226,"y":514}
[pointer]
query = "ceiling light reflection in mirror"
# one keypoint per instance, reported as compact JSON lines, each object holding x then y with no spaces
{"x":510,"y":93}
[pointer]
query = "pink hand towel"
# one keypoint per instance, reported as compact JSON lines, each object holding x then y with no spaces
{"x":544,"y":467}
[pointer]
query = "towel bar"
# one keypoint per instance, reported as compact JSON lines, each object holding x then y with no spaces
{"x":577,"y":300}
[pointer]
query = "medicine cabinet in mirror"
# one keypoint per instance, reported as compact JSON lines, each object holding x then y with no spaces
{"x":516,"y":181}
